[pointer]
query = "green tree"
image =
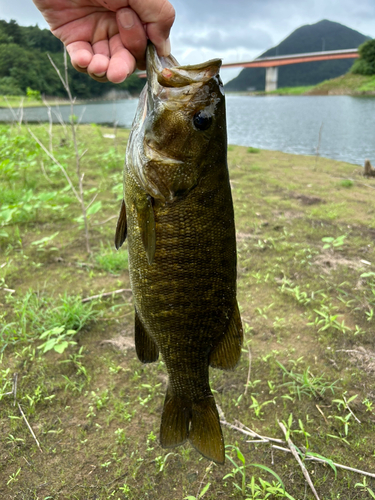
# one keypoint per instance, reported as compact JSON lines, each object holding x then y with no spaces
{"x":365,"y":65}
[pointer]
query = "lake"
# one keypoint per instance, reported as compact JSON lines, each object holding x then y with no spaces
{"x":293,"y":124}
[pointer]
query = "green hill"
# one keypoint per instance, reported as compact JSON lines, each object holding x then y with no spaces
{"x":324,"y":35}
{"x":24,"y":63}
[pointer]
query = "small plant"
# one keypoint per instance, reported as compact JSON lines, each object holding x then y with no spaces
{"x":42,"y":243}
{"x":365,"y":488}
{"x":253,"y":150}
{"x":347,"y":183}
{"x":330,"y":242}
{"x":306,"y":383}
{"x":257,"y":407}
{"x":161,"y":461}
{"x":57,"y":339}
{"x":241,"y":470}
{"x":112,"y":261}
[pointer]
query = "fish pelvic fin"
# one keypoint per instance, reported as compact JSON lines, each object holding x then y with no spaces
{"x":205,"y":431}
{"x":146,"y":221}
{"x":145,"y":346}
{"x":228,"y":351}
{"x":121,"y":228}
{"x":174,"y":428}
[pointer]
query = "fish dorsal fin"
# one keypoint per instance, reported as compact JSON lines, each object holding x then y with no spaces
{"x":121,"y":228}
{"x":228,"y":351}
{"x":146,"y":222}
{"x":147,"y":350}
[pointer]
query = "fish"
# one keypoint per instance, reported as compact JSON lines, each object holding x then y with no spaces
{"x":177,"y":215}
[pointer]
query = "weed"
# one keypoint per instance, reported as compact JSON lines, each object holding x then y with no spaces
{"x":347,"y":183}
{"x":244,"y":486}
{"x":365,"y":488}
{"x":253,"y":150}
{"x":330,"y":242}
{"x":306,"y":383}
{"x":112,"y":261}
{"x":57,"y":339}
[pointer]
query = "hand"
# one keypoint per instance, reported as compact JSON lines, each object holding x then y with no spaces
{"x":107,"y":38}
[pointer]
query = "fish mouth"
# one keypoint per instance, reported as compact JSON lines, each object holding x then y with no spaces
{"x":164,"y":72}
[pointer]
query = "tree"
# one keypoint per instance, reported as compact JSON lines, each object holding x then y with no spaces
{"x":365,"y":65}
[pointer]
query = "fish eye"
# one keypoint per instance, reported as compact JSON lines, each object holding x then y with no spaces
{"x":202,"y":121}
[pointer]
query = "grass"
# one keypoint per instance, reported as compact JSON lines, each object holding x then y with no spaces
{"x":306,"y":289}
{"x":28,"y":102}
{"x":348,"y":84}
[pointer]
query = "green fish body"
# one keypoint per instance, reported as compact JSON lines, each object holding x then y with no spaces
{"x":178,"y":217}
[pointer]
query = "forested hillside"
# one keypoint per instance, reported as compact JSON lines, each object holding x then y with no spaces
{"x":324,"y":35}
{"x":24,"y":64}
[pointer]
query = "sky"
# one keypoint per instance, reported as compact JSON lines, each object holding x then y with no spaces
{"x":234,"y":30}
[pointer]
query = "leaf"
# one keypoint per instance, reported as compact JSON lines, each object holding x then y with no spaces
{"x":45,"y":240}
{"x":267,"y":469}
{"x":95,"y":207}
{"x":60,"y":348}
{"x":240,"y":456}
{"x":204,"y":491}
{"x":3,"y":234}
{"x":327,"y":460}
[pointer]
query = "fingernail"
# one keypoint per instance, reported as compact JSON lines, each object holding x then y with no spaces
{"x":167,"y":48}
{"x":99,"y":75}
{"x":126,"y":18}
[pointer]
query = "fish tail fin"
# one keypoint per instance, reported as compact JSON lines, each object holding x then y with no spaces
{"x":174,"y":429}
{"x":205,"y":431}
{"x":202,"y":417}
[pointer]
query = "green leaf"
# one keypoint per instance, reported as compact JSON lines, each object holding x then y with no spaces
{"x":267,"y":469}
{"x":60,"y":348}
{"x":240,"y":456}
{"x":95,"y":207}
{"x":3,"y":234}
{"x":205,"y":489}
{"x":327,"y":460}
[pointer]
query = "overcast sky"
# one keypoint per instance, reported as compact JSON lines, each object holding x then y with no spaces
{"x":234,"y":30}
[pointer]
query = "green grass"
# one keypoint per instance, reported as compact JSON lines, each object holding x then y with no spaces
{"x":348,"y":84}
{"x":306,"y":290}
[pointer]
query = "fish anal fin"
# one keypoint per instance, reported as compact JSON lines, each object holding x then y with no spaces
{"x":146,"y":222}
{"x":174,"y":428}
{"x":205,"y":431}
{"x":145,"y":346}
{"x":228,"y":351}
{"x":121,"y":228}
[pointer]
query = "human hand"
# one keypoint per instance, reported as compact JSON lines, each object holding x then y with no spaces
{"x":107,"y":38}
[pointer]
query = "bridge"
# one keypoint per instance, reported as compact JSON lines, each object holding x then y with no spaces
{"x":272,"y":63}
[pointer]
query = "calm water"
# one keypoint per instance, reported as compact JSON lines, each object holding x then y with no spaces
{"x":289,"y":123}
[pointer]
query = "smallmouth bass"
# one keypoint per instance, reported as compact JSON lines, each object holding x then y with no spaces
{"x":178,"y":217}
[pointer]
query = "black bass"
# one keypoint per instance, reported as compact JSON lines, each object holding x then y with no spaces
{"x":178,"y":217}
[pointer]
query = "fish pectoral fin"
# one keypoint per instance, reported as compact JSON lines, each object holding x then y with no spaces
{"x":145,"y":346}
{"x":228,"y":351}
{"x":205,"y":431}
{"x":146,"y":222}
{"x":121,"y":228}
{"x":174,"y":428}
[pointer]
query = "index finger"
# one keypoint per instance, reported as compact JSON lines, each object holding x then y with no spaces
{"x":158,"y":16}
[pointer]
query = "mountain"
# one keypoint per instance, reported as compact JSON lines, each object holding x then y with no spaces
{"x":324,"y":35}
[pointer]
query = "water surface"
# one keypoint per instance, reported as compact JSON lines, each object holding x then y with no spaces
{"x":292,"y":124}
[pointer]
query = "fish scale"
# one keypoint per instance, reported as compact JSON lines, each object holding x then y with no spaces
{"x":178,"y":216}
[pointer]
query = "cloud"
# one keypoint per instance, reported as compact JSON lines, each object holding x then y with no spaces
{"x":234,"y":30}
